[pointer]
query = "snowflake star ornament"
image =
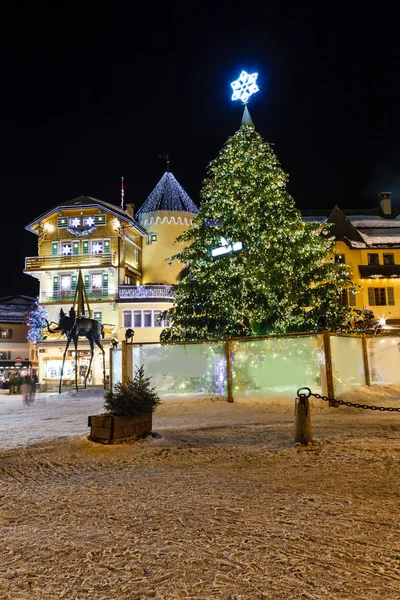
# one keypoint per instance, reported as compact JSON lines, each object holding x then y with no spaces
{"x":244,"y":87}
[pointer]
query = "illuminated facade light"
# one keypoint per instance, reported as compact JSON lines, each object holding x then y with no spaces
{"x":75,"y":222}
{"x":244,"y":87}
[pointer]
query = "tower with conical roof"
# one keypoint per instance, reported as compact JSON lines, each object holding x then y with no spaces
{"x":167,"y":212}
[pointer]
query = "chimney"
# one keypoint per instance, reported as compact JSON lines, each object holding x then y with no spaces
{"x":386,"y":205}
{"x":130,"y":209}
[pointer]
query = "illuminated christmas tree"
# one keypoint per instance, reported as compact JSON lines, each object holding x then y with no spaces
{"x":36,"y":321}
{"x":253,"y":266}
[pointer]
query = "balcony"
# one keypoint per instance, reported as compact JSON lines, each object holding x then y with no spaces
{"x":145,"y":292}
{"x":68,"y":296}
{"x":70,"y":261}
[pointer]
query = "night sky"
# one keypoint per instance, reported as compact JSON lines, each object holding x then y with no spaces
{"x":89,"y":95}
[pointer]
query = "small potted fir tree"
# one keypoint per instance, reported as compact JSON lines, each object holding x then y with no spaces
{"x":128,"y":411}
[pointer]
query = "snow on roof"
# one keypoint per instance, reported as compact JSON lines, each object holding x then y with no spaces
{"x":367,"y":221}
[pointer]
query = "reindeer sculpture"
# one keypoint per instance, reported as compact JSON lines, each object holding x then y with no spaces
{"x":74,"y":327}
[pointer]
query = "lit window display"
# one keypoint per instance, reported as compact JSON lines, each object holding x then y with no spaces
{"x":66,"y":249}
{"x":97,"y":247}
{"x":97,"y":283}
{"x":53,"y":369}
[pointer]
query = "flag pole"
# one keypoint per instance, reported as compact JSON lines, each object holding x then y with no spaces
{"x":122,"y":193}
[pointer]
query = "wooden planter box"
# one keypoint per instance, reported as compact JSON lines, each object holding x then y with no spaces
{"x":110,"y":429}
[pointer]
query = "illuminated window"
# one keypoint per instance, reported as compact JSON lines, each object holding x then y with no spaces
{"x":151,"y":238}
{"x":128,"y":280}
{"x":97,"y":247}
{"x":98,"y":315}
{"x":5,"y":355}
{"x":97,"y":281}
{"x":66,"y":248}
{"x":66,"y":283}
{"x":75,"y":222}
{"x":340,"y":259}
{"x":88,"y":221}
{"x":6,"y":333}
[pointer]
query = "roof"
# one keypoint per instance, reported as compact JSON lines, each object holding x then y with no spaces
{"x":169,"y":196}
{"x":366,"y":228}
{"x":88,"y":202}
{"x":13,"y":309}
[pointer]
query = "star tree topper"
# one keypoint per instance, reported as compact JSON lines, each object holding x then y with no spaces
{"x":244,"y":87}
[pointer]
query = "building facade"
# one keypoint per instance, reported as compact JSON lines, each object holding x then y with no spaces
{"x":368,"y":240}
{"x":17,"y":355}
{"x":126,"y":266}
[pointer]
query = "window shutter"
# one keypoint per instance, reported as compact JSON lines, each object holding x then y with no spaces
{"x":86,"y":281}
{"x":85,"y":247}
{"x":54,"y":248}
{"x":106,"y":246}
{"x":390,"y":295}
{"x":352,"y":297}
{"x":55,"y":286}
{"x":97,"y":315}
{"x":137,"y":256}
{"x":371,"y":296}
{"x":62,"y":223}
{"x":100,"y":220}
{"x":74,"y":280}
{"x":105,"y":285}
{"x":75,"y":247}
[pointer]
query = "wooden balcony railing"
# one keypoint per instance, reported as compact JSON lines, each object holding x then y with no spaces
{"x":70,"y":261}
{"x":68,"y":296}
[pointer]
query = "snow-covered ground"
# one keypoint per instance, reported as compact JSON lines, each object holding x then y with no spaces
{"x":218,"y":504}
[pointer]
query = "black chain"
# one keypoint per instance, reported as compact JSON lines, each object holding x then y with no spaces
{"x":342,"y":402}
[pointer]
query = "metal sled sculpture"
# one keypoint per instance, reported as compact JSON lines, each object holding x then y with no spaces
{"x":75,"y":326}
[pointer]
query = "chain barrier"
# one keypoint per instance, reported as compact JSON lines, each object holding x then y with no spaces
{"x":309,"y":393}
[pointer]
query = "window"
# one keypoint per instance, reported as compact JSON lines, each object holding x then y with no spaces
{"x":66,"y":283}
{"x":54,"y":248}
{"x":388,"y":259}
{"x":340,"y":259}
{"x":66,"y":248}
{"x":157,"y":320}
{"x":97,"y":247}
{"x":348,"y":298}
{"x":5,"y":355}
{"x":128,"y":280}
{"x":373,"y":259}
{"x":97,"y":281}
{"x":147,"y":318}
{"x":151,"y":238}
{"x":380,"y":296}
{"x":137,"y":318}
{"x":6,"y":334}
{"x":127,"y":318}
{"x":76,"y":246}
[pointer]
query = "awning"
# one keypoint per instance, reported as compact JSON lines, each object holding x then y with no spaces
{"x":11,"y":364}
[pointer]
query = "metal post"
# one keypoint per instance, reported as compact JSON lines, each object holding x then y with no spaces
{"x":302,"y":430}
